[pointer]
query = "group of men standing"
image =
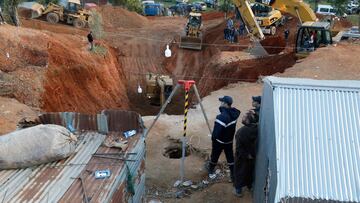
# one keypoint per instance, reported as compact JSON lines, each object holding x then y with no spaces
{"x":242,"y":165}
{"x":231,"y":32}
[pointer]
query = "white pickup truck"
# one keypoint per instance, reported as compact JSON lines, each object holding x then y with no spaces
{"x":352,"y":33}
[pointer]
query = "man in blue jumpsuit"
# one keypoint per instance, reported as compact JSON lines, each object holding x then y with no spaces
{"x":223,"y":134}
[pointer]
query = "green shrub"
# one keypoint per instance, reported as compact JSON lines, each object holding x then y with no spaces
{"x":46,"y":2}
{"x":95,"y":24}
{"x":100,"y":50}
{"x":131,"y":5}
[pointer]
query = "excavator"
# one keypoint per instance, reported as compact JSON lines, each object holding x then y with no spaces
{"x":267,"y":17}
{"x":158,"y":88}
{"x":309,"y":25}
{"x":192,"y":38}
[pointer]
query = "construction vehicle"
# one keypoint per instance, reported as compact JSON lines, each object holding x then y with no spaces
{"x":158,"y":88}
{"x":71,"y":13}
{"x":306,"y":17}
{"x":192,"y":37}
{"x":267,"y":17}
{"x":309,"y":24}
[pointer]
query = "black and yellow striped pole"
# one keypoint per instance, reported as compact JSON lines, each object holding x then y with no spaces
{"x":186,"y":109}
{"x":187,"y":85}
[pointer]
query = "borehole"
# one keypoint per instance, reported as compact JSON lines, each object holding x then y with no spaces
{"x":174,"y":150}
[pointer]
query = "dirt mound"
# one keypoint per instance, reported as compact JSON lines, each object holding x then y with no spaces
{"x":58,"y":73}
{"x":11,"y":112}
{"x":212,"y":15}
{"x":248,"y":70}
{"x":116,"y":17}
{"x":41,"y":24}
{"x":338,"y":23}
{"x":341,"y":24}
{"x":274,"y":44}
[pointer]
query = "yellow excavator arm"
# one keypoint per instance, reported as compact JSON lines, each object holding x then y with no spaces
{"x":296,"y":8}
{"x":249,"y":19}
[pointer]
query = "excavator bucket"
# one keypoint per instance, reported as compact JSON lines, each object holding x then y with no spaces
{"x":257,"y":49}
{"x":187,"y":42}
{"x":35,"y":9}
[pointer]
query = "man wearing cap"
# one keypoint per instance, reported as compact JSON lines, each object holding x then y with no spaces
{"x":223,"y":134}
{"x":256,"y":103}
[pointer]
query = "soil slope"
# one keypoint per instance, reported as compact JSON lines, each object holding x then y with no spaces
{"x":56,"y":72}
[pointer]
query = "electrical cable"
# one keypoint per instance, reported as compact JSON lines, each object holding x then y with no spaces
{"x":175,"y":76}
{"x":206,"y":44}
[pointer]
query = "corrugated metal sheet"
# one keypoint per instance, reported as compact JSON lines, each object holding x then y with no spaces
{"x":108,"y":121}
{"x":103,"y":190}
{"x":78,"y":121}
{"x":54,"y":182}
{"x":120,"y":121}
{"x":316,"y":134}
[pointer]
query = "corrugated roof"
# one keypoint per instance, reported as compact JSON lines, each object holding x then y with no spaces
{"x":57,"y":181}
{"x":317,"y":136}
{"x":48,"y":182}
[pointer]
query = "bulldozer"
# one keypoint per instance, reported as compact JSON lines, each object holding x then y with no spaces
{"x":267,"y":17}
{"x":158,"y":88}
{"x":192,"y":39}
{"x":71,"y":13}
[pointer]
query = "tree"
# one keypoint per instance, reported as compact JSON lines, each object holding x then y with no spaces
{"x":131,"y":5}
{"x":45,"y":2}
{"x":225,"y":6}
{"x":96,"y":27}
{"x":95,"y":24}
{"x":10,"y":9}
{"x":340,"y":5}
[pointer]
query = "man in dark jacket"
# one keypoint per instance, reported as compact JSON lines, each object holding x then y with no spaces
{"x":90,"y":40}
{"x":245,"y":153}
{"x":256,"y":103}
{"x":223,"y":135}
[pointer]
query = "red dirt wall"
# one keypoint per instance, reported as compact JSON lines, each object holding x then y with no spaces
{"x":211,"y":75}
{"x":83,"y":81}
{"x":56,"y":72}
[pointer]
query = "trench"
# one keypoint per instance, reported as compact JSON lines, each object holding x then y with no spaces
{"x":214,"y":67}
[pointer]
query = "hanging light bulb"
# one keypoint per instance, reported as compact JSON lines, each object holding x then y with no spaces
{"x":7,"y":55}
{"x":139,"y":89}
{"x":167,"y":51}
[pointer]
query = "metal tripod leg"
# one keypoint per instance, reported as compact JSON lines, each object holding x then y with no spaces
{"x":163,"y":108}
{"x":202,"y":107}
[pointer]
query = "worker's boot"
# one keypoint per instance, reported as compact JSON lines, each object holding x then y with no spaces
{"x":231,"y":167}
{"x":210,"y":167}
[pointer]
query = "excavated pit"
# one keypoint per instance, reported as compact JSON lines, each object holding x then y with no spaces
{"x":215,"y":66}
{"x":74,"y":80}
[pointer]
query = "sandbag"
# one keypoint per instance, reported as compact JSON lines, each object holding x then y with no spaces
{"x":35,"y":145}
